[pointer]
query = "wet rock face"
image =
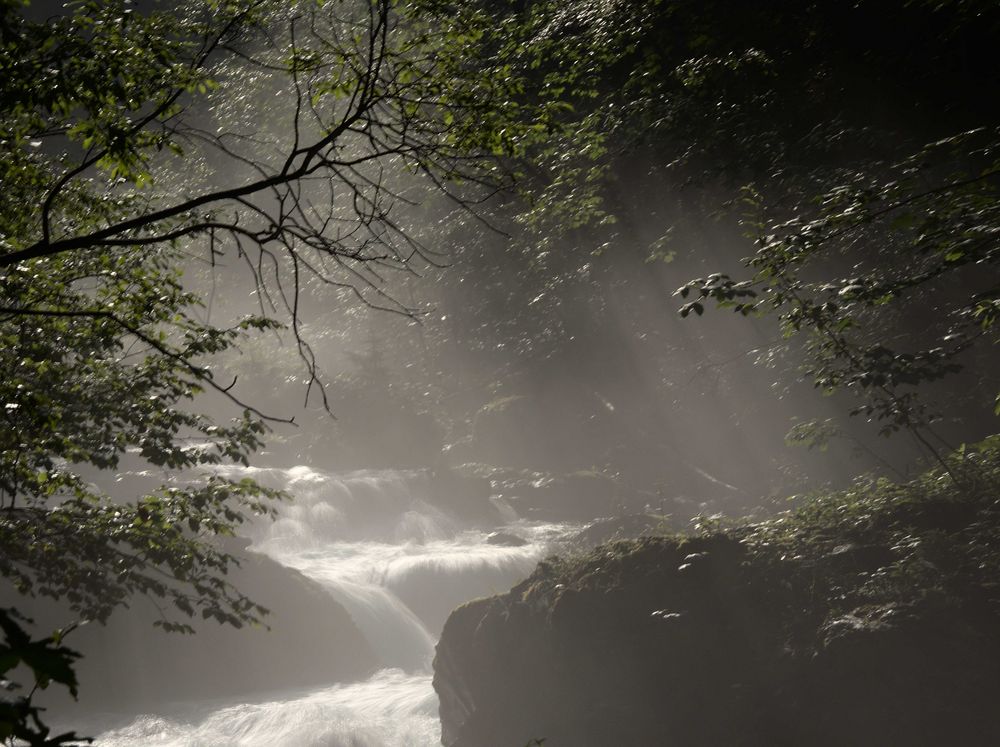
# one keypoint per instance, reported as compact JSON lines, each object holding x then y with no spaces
{"x":667,"y":643}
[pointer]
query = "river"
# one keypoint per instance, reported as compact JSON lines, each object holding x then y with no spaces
{"x":398,"y":563}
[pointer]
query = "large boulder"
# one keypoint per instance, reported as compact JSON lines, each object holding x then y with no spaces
{"x":693,"y":642}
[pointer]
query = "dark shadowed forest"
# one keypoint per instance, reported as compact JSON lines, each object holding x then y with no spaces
{"x":415,"y":372}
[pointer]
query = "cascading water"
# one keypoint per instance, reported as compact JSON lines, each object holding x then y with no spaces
{"x":398,"y":563}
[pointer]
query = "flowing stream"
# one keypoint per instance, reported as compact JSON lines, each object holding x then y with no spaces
{"x":399,"y":564}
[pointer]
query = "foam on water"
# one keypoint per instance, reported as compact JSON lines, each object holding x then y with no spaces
{"x":392,"y":709}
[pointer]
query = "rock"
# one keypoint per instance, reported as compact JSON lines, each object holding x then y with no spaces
{"x":619,"y":648}
{"x":505,"y":539}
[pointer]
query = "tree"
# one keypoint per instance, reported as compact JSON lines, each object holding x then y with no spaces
{"x":862,"y":173}
{"x":918,"y":233}
{"x":279,"y":135}
{"x":49,"y":661}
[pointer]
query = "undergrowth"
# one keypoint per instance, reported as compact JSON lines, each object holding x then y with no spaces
{"x":878,"y":543}
{"x":883,"y":542}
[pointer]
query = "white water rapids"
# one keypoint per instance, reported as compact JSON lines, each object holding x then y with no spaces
{"x":398,"y":564}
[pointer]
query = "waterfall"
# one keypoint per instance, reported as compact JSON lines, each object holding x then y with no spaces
{"x":398,"y":563}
